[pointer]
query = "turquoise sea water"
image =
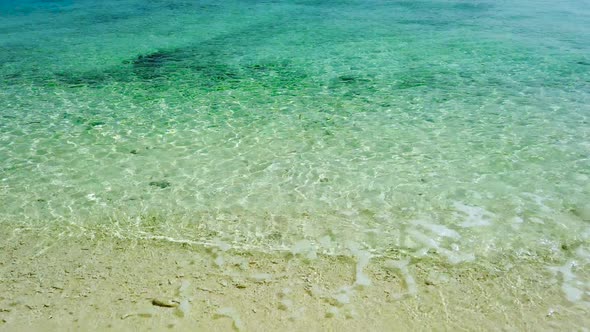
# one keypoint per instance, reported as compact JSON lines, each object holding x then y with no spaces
{"x":461,"y":127}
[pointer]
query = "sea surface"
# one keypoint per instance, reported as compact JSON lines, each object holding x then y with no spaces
{"x":455,"y":127}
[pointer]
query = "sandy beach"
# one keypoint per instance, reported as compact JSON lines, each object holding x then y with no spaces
{"x":76,"y":283}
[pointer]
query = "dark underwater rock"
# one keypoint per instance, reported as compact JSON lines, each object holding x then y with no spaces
{"x":155,"y":64}
{"x":160,"y":184}
{"x":96,"y":123}
{"x":156,"y":59}
{"x":347,"y":79}
{"x":351,"y":79}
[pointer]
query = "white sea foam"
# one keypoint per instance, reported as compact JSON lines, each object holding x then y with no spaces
{"x":233,"y":315}
{"x":362,"y":260}
{"x":472,"y":216}
{"x":304,"y":248}
{"x":342,"y":296}
{"x":183,"y":308}
{"x":453,"y":255}
{"x":572,"y":287}
{"x":438,"y":229}
{"x":402,"y":267}
{"x":539,"y":201}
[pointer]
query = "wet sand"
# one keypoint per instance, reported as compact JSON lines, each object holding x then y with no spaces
{"x":61,"y":283}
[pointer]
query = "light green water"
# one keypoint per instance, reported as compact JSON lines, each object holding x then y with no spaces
{"x":450,"y":126}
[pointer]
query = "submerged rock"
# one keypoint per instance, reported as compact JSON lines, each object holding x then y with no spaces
{"x":156,"y":59}
{"x":352,"y":79}
{"x":347,"y":79}
{"x":165,"y":303}
{"x":96,"y":123}
{"x":160,"y":184}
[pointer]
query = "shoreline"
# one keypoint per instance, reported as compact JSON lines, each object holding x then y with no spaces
{"x":77,"y":283}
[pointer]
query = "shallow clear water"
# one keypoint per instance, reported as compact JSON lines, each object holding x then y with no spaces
{"x":455,"y":126}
